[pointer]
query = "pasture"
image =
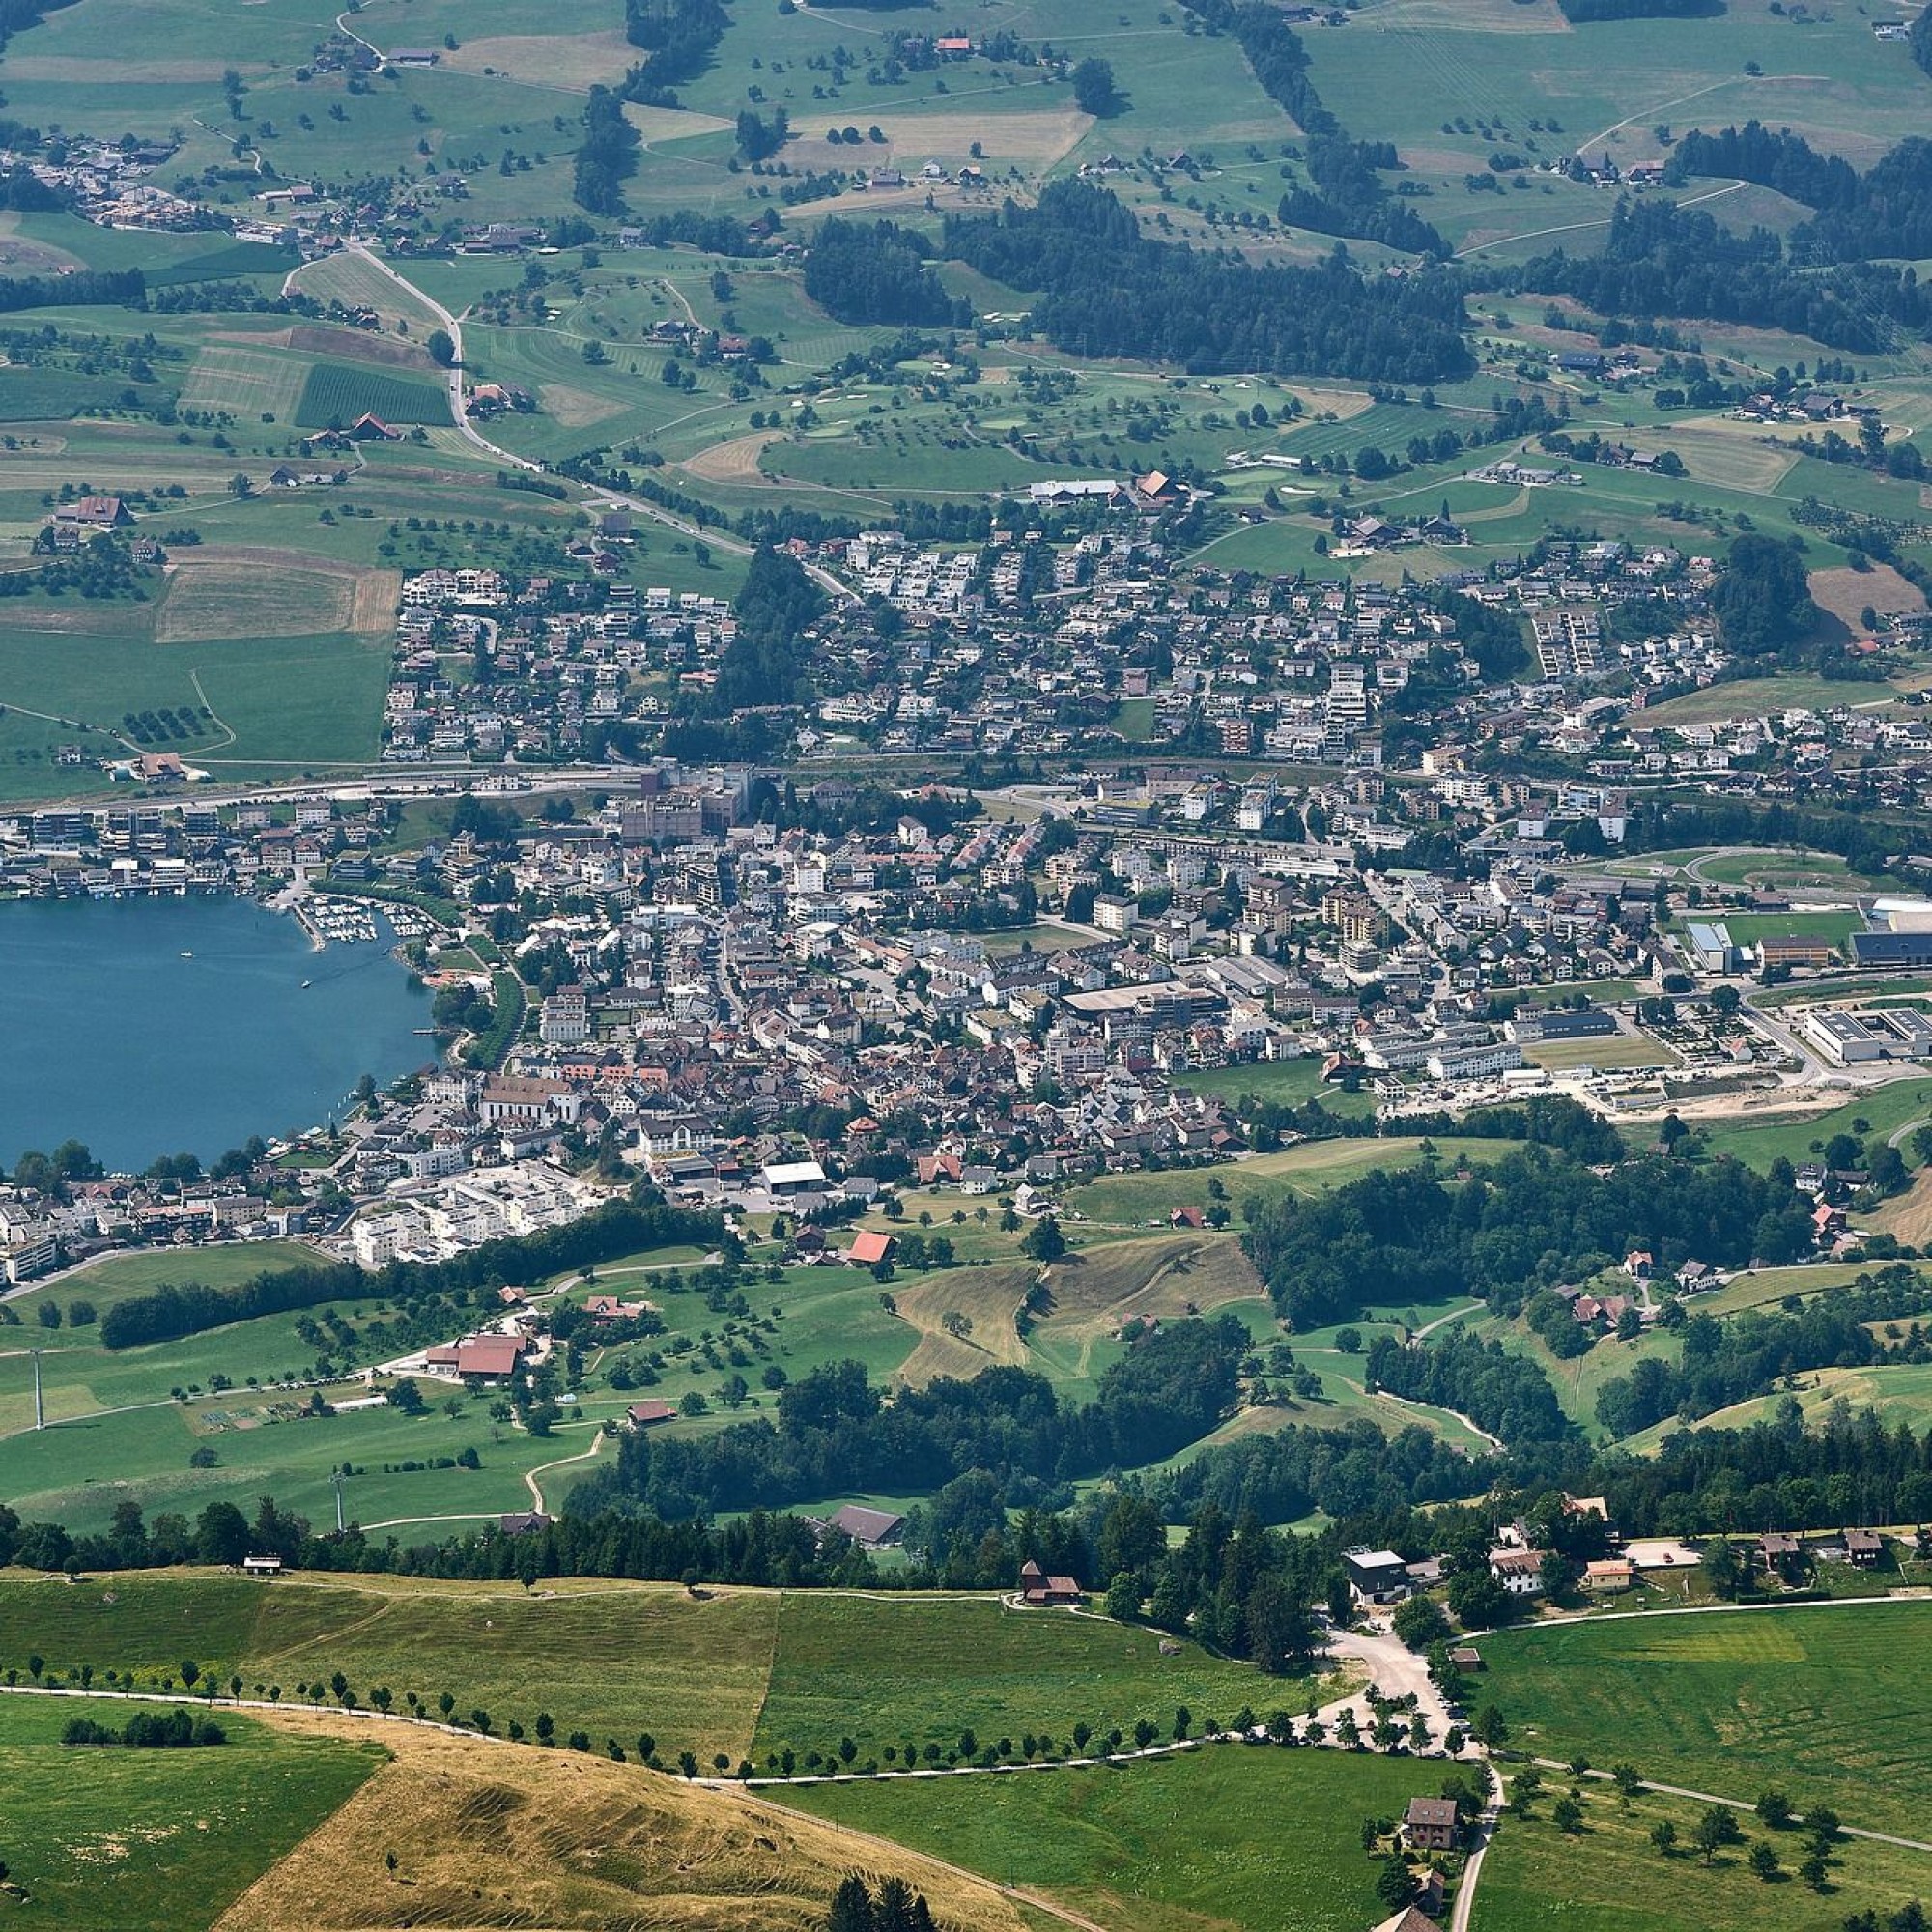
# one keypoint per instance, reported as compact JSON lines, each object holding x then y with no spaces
{"x":573,"y":1840}
{"x":160,"y":1839}
{"x":1817,"y":1702}
{"x":611,"y":1658}
{"x":920,"y":1669}
{"x":1758,"y":1143}
{"x":1225,"y":1835}
{"x":1610,"y":1878}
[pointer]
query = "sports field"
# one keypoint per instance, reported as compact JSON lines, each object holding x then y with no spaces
{"x":1819,"y":1702}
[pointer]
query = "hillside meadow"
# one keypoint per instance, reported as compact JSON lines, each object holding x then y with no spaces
{"x":1820,"y":1702}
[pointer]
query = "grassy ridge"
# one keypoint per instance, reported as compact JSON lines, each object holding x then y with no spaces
{"x":157,"y":1839}
{"x":698,"y":1672}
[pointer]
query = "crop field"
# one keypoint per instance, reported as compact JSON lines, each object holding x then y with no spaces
{"x":884,"y":1670}
{"x":248,"y":383}
{"x":1610,"y":1878}
{"x":1818,"y":1702}
{"x":339,"y":392}
{"x":162,"y":1839}
{"x":214,"y":594}
{"x":1220,"y":1836}
{"x":573,"y":1840}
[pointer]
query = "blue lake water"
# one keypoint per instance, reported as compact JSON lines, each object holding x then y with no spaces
{"x":110,"y":1036}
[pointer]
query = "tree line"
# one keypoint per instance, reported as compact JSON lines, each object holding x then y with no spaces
{"x":836,"y":1434}
{"x":617,"y":1227}
{"x":1664,"y":260}
{"x":606,"y":156}
{"x":1105,"y":289}
{"x":1348,"y":198}
{"x":680,"y":36}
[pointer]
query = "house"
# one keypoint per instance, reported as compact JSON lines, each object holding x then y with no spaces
{"x":869,"y":1528}
{"x":1411,"y":1918}
{"x":1378,"y":1576}
{"x":262,"y":1566}
{"x":1695,"y":1277}
{"x":1039,"y":1591}
{"x":869,"y":1248}
{"x":1778,"y":1548}
{"x":647,"y":1414}
{"x":1639,"y":1264}
{"x":1429,"y":1825}
{"x":490,"y":1357}
{"x":97,"y":513}
{"x":1519,"y":1571}
{"x":368,"y":428}
{"x":1610,"y":1576}
{"x":522,"y":1522}
{"x":1863,"y":1548}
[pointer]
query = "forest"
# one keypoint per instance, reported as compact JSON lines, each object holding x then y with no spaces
{"x":837,"y":1434}
{"x":763,"y":663}
{"x":1887,"y":212}
{"x":878,"y":272}
{"x":1395,"y":1237}
{"x":1107,"y":290}
{"x":1661,"y":259}
{"x":606,"y":156}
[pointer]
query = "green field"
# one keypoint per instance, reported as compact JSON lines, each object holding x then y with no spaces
{"x":1820,"y":1702}
{"x":708,"y":1671}
{"x":1222,"y":1836}
{"x":1885,"y":1109}
{"x":1307,"y":1168}
{"x":158,"y":1840}
{"x":336,"y":393}
{"x":883,"y":1670}
{"x":1609,"y":1878}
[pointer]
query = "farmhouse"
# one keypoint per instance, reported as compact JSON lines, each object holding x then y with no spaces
{"x":1040,"y":1591}
{"x":488,"y":1357}
{"x":869,"y":1248}
{"x":1519,"y":1571}
{"x":1429,"y":1825}
{"x":868,"y":1528}
{"x":94,"y":513}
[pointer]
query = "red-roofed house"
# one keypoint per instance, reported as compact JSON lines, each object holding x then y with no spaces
{"x":643,"y":1414}
{"x":869,"y":1248}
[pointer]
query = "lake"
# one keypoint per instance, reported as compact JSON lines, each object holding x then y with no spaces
{"x":146,"y":1027}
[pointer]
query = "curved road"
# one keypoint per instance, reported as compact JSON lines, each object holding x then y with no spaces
{"x":452,"y":323}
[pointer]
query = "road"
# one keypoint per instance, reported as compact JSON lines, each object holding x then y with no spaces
{"x":598,"y":495}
